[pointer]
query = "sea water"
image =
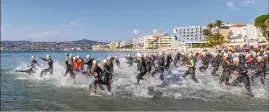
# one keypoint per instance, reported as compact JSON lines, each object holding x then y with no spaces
{"x":20,"y":91}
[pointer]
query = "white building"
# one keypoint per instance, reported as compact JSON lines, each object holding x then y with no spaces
{"x":240,"y":35}
{"x":123,"y":43}
{"x":188,"y":35}
{"x":138,"y":42}
{"x":156,"y":41}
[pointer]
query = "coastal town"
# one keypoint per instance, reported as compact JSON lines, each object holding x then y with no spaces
{"x":233,"y":35}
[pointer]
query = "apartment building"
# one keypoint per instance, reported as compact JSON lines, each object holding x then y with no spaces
{"x":240,"y":35}
{"x":156,"y":41}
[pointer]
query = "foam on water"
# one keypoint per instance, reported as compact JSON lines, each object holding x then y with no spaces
{"x":124,"y":83}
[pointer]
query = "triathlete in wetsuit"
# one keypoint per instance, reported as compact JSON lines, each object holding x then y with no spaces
{"x":32,"y":67}
{"x":50,"y":65}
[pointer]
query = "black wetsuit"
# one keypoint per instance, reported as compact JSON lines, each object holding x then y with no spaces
{"x":204,"y":64}
{"x":160,"y":68}
{"x":226,"y":73}
{"x":117,"y":62}
{"x":129,"y":61}
{"x":110,"y":64}
{"x":50,"y":67}
{"x":266,"y":66}
{"x":148,"y":65}
{"x":97,"y":72}
{"x":176,"y":59}
{"x":215,"y":65}
{"x":89,"y":64}
{"x":168,"y":61}
{"x":243,"y":77}
{"x":259,"y":72}
{"x":141,"y":68}
{"x":106,"y":77}
{"x":31,"y":69}
{"x":69,"y":69}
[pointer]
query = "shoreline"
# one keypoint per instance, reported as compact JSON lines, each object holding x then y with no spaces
{"x":109,"y":50}
{"x":104,"y":50}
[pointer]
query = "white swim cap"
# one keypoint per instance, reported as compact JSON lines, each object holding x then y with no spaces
{"x":225,"y":54}
{"x":236,"y":59}
{"x":138,"y":54}
{"x":33,"y":57}
{"x":74,"y":58}
{"x":94,"y":61}
{"x":87,"y":56}
{"x":258,"y":53}
{"x":104,"y":60}
{"x":48,"y":56}
{"x":259,"y":58}
{"x":77,"y":56}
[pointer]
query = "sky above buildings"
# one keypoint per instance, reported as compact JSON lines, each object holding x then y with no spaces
{"x":114,"y":20}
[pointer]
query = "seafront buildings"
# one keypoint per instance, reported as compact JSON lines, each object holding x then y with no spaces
{"x":240,"y":35}
{"x":235,"y":35}
{"x":155,"y":41}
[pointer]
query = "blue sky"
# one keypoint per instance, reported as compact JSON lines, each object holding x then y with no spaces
{"x":113,"y":20}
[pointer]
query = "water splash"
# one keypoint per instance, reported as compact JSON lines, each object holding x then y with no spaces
{"x":124,"y":83}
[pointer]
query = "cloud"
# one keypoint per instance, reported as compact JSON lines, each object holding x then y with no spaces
{"x":73,"y":23}
{"x":230,"y":4}
{"x":154,"y":30}
{"x":248,"y":2}
{"x":135,"y":31}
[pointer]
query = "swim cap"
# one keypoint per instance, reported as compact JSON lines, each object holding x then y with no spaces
{"x":74,"y":58}
{"x":138,"y":54}
{"x":48,"y":56}
{"x":259,"y":58}
{"x":236,"y":59}
{"x":104,"y":60}
{"x":77,"y":56}
{"x":94,"y":61}
{"x":225,"y":55}
{"x":33,"y":57}
{"x":87,"y":56}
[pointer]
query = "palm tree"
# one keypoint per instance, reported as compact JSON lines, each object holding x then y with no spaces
{"x":218,"y":24}
{"x":210,"y":26}
{"x":206,"y":32}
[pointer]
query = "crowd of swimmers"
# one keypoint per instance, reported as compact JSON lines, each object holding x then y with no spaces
{"x":247,"y":65}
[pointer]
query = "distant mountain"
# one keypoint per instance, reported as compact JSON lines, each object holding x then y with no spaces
{"x":85,"y":41}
